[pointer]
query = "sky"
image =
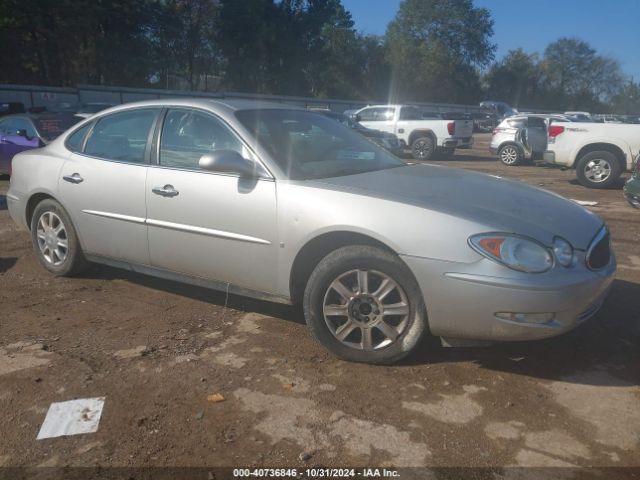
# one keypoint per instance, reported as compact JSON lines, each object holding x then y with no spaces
{"x":611,"y":27}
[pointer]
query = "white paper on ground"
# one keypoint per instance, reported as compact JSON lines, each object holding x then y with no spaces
{"x":72,"y":418}
{"x":586,"y":203}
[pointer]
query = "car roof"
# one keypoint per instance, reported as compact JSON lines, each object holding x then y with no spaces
{"x":222,"y":103}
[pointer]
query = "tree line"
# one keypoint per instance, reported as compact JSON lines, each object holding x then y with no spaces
{"x":433,"y":50}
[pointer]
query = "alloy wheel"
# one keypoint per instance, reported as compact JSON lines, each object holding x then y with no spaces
{"x":509,"y":155}
{"x":423,"y":149}
{"x":597,"y":171}
{"x":53,"y":241}
{"x":366,"y":309}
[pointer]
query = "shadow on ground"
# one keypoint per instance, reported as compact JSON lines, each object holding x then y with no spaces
{"x":609,"y":339}
{"x":7,"y":263}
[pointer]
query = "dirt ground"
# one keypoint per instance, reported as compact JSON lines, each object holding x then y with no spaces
{"x":156,"y":349}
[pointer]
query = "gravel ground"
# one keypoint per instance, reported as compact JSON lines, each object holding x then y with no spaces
{"x":156,"y":350}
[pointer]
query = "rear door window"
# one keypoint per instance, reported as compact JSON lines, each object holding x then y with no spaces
{"x":517,"y":122}
{"x":410,"y":113}
{"x":122,"y":136}
{"x":376,"y":114}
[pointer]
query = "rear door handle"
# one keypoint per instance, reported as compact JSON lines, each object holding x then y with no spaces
{"x":74,"y":178}
{"x":166,"y":191}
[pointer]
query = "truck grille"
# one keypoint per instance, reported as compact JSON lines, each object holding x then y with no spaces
{"x":599,"y":252}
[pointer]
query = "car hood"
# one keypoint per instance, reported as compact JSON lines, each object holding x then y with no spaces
{"x":500,"y":204}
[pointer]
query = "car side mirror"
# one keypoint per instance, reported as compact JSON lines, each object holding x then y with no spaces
{"x":227,"y":161}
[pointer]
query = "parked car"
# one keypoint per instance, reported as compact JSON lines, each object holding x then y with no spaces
{"x":522,"y":137}
{"x":386,"y":140}
{"x":422,"y":136}
{"x":579,"y":116}
{"x":632,"y":187}
{"x":24,"y":132}
{"x":599,"y":152}
{"x":483,"y":122}
{"x":10,"y":108}
{"x":501,"y":110}
{"x":284,"y":204}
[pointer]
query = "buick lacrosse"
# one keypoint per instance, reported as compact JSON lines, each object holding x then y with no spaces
{"x":288,"y":205}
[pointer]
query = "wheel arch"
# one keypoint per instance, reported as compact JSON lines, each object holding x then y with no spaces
{"x":602,"y":147}
{"x":33,"y":202}
{"x":512,"y":143}
{"x":316,"y":248}
{"x":424,"y":132}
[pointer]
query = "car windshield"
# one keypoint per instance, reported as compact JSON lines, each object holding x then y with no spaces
{"x":308,"y":145}
{"x":51,"y":127}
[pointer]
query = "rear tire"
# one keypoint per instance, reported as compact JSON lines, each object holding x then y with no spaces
{"x":422,"y":148}
{"x":55,"y":241}
{"x":598,"y":169}
{"x":364,"y":305}
{"x":511,"y":155}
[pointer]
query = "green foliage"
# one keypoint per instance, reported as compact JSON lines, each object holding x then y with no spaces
{"x":515,"y":79}
{"x":570,"y":76}
{"x":627,"y":100}
{"x":434,"y":48}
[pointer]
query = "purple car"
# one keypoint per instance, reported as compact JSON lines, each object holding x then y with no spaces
{"x":24,"y":132}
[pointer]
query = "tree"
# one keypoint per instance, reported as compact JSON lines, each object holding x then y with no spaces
{"x":515,"y":79}
{"x":627,"y":100}
{"x":434,"y":48}
{"x":576,"y":76}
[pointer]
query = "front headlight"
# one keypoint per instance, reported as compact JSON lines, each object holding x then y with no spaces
{"x":519,"y":253}
{"x":563,"y":251}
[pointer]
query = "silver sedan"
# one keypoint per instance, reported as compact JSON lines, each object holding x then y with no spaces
{"x":288,"y":205}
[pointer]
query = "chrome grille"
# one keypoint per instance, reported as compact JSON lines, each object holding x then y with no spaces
{"x":599,"y":252}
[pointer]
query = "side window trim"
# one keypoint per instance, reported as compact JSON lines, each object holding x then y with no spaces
{"x":158,"y":134}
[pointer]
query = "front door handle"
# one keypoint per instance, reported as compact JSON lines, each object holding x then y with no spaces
{"x":74,"y":178}
{"x":166,"y":191}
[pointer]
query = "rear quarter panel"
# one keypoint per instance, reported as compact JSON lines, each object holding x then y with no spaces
{"x":576,"y":136}
{"x":35,"y":171}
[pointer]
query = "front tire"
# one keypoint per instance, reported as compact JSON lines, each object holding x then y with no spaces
{"x":55,"y":241}
{"x":363,"y":304}
{"x":422,"y":148}
{"x":598,"y":170}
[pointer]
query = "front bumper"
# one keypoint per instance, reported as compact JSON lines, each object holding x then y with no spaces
{"x":462,"y":299}
{"x":632,"y":192}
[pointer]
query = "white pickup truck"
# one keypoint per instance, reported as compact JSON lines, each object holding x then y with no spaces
{"x":423,"y":136}
{"x":599,"y":152}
